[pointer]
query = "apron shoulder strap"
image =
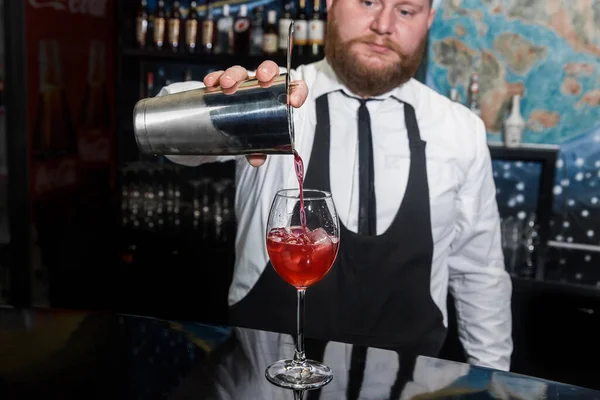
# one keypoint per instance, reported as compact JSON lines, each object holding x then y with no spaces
{"x":323,"y":125}
{"x":412,"y":127}
{"x":319,"y":158}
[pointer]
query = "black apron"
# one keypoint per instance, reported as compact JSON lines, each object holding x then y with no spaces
{"x":377,"y":293}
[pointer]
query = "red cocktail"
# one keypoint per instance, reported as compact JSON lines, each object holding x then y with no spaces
{"x":301,"y":258}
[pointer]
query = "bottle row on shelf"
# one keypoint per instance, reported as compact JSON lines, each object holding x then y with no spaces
{"x":204,"y":30}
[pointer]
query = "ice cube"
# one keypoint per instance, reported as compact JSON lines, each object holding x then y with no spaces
{"x":318,"y":236}
{"x":303,"y":239}
{"x":291,"y":240}
{"x":278,"y":234}
{"x":296,"y":230}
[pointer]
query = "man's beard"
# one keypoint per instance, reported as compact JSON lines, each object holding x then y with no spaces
{"x":362,"y":79}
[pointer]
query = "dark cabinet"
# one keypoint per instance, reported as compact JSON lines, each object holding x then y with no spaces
{"x":556,"y":332}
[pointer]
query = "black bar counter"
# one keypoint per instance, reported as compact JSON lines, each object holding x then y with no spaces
{"x":62,"y":354}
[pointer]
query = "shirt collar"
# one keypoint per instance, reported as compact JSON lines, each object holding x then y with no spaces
{"x":327,"y":82}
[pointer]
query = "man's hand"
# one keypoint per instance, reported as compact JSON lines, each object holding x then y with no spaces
{"x":267,"y":71}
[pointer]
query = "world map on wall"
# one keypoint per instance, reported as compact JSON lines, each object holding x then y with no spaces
{"x":546,"y":50}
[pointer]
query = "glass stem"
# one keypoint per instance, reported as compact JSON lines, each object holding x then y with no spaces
{"x":298,"y":394}
{"x":299,"y":354}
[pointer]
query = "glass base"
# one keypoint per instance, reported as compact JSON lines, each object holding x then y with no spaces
{"x":290,"y":374}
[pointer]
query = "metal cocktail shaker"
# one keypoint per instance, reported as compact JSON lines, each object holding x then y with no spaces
{"x":254,"y":119}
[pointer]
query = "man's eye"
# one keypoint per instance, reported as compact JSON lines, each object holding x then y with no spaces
{"x":406,"y":13}
{"x":368,"y":3}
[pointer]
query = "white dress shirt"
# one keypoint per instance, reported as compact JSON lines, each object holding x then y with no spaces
{"x":467,"y":256}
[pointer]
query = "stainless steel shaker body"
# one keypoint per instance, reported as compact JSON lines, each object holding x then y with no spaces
{"x":254,"y":119}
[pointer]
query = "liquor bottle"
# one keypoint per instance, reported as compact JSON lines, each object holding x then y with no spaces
{"x":149,"y":89}
{"x":187,"y":74}
{"x":95,"y":108}
{"x":191,"y":28}
{"x":284,"y":25}
{"x":270,"y":42}
{"x":141,"y":25}
{"x":316,"y":31}
{"x":474,"y":95}
{"x":454,"y":95}
{"x":161,"y":77}
{"x":224,"y":33}
{"x":54,"y":133}
{"x":514,"y":124}
{"x":241,"y":32}
{"x":94,"y":118}
{"x":159,"y":25}
{"x":257,"y":32}
{"x":208,"y":30}
{"x":301,"y":30}
{"x":174,"y":26}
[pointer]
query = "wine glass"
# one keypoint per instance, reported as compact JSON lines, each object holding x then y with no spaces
{"x":302,"y":255}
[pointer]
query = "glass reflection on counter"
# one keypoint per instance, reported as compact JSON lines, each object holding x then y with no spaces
{"x":237,"y":368}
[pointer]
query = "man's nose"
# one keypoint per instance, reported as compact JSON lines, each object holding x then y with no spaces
{"x":383,"y":22}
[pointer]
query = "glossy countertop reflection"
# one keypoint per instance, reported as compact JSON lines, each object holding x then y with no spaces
{"x":88,"y":355}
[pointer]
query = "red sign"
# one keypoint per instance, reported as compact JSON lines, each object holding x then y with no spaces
{"x":70,"y":91}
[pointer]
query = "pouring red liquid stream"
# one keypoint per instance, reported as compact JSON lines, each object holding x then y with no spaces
{"x":299,"y":166}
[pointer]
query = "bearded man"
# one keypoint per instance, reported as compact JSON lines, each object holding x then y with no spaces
{"x":411,"y":177}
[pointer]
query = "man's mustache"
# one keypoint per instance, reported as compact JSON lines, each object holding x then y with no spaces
{"x":380,"y":41}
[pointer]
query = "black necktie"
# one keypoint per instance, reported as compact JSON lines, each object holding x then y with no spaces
{"x":367,"y":212}
{"x":367,"y":224}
